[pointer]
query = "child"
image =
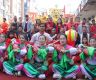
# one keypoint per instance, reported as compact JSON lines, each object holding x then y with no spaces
{"x":59,"y":25}
{"x":53,"y":34}
{"x":38,"y":65}
{"x":38,"y":22}
{"x":84,"y":33}
{"x":16,"y":53}
{"x":20,"y":30}
{"x":11,"y":35}
{"x":85,"y":41}
{"x":88,"y":57}
{"x":2,"y":49}
{"x":64,"y":65}
{"x":93,"y":42}
{"x":61,"y":32}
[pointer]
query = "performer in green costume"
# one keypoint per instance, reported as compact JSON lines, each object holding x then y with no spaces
{"x":38,"y":65}
{"x":16,"y":52}
{"x":88,"y":57}
{"x":64,"y":65}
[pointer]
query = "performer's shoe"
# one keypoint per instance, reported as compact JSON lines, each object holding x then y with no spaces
{"x":57,"y":75}
{"x":42,"y":76}
{"x":19,"y":73}
{"x":74,"y":77}
{"x":15,"y":74}
{"x":86,"y":77}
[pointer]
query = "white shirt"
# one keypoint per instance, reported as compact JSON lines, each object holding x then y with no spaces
{"x":35,"y":37}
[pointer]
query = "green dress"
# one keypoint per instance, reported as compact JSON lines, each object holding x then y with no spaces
{"x":90,"y":68}
{"x":38,"y":65}
{"x":14,"y":63}
{"x":63,"y":66}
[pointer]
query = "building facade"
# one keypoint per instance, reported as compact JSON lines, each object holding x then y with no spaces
{"x":10,"y":8}
{"x":86,"y":9}
{"x":26,"y":6}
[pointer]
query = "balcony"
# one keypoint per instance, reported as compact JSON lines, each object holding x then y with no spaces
{"x":86,"y":9}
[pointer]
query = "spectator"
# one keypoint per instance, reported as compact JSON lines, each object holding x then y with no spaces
{"x":15,"y":23}
{"x":93,"y":28}
{"x":72,"y":36}
{"x":27,"y":27}
{"x":49,"y":25}
{"x":4,"y":26}
{"x":53,"y":34}
{"x":70,"y":23}
{"x":62,"y":31}
{"x":85,"y":41}
{"x":59,"y":25}
{"x":93,"y":42}
{"x":20,"y":30}
{"x":38,"y":22}
{"x":83,"y":23}
{"x":35,"y":37}
{"x":77,"y":22}
{"x":20,"y":22}
{"x":84,"y":33}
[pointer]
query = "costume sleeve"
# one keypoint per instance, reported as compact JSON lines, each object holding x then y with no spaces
{"x":82,"y":56}
{"x":54,"y":56}
{"x":54,"y":36}
{"x":29,"y":53}
{"x":11,"y":56}
{"x":50,"y":49}
{"x":73,"y":51}
{"x":2,"y":47}
{"x":9,"y":48}
{"x":42,"y":53}
{"x":58,"y":47}
{"x":91,"y":51}
{"x":49,"y":37}
{"x":23,"y":51}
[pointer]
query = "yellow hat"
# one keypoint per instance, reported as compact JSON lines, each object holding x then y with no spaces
{"x":43,"y":19}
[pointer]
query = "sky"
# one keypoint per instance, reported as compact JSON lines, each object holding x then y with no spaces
{"x":41,"y":5}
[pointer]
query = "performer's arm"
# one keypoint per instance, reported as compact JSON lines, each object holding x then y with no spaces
{"x":2,"y":47}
